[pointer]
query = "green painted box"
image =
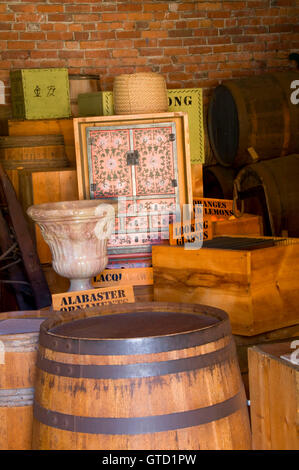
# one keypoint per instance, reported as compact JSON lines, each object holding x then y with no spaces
{"x":186,"y":99}
{"x":98,"y":103}
{"x":40,"y":93}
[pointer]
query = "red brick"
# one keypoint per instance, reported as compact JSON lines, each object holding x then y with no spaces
{"x":7,"y":35}
{"x":77,"y":8}
{"x":154,"y":34}
{"x":26,"y":45}
{"x":150,"y":51}
{"x":149,"y":7}
{"x":50,"y":8}
{"x":60,"y":36}
{"x":61,"y":17}
{"x":96,"y":35}
{"x":128,"y":34}
{"x":92,"y":45}
{"x":75,"y":27}
{"x":5,"y":26}
{"x":25,"y":8}
{"x":33,"y":36}
{"x":125,"y":53}
{"x":88,"y":18}
{"x":129,"y":7}
{"x":174,"y":33}
{"x":50,"y":45}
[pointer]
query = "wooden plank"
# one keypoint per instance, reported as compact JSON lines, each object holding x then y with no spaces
{"x":38,"y":187}
{"x":274,"y":397}
{"x":47,"y":127}
{"x":31,"y":262}
{"x":197,"y":181}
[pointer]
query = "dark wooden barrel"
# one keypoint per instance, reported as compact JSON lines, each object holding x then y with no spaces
{"x":270,"y":188}
{"x":19,"y":333}
{"x":218,"y":182}
{"x":33,"y":152}
{"x":253,"y":112}
{"x":139,"y":376}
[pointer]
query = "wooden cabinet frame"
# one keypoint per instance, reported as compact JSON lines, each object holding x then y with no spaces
{"x":177,"y":121}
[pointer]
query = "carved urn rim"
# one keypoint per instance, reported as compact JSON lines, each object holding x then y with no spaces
{"x":73,"y":210}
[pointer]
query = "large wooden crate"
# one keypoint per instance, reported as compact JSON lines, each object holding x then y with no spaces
{"x":274,"y":396}
{"x":258,"y":288}
{"x":243,"y":343}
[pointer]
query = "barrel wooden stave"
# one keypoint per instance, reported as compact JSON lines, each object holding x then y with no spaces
{"x":218,"y":182}
{"x":134,"y":397}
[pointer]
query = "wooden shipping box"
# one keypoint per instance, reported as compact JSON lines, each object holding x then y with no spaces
{"x":274,"y":395}
{"x":47,"y":127}
{"x":38,"y":187}
{"x":258,"y":288}
{"x":40,"y":93}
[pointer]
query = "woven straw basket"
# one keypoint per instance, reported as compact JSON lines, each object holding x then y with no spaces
{"x":140,"y":93}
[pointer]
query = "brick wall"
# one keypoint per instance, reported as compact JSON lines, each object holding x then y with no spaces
{"x":192,"y":43}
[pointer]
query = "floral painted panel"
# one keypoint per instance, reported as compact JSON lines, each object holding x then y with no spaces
{"x":139,"y":164}
{"x":109,"y":173}
{"x":155,"y":172}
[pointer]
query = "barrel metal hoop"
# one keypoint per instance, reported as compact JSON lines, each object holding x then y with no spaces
{"x":140,"y":425}
{"x":149,"y":345}
{"x":137,"y":370}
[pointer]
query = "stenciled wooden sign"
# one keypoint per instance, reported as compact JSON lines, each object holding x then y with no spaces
{"x":190,"y":232}
{"x":127,"y":276}
{"x":215,"y":207}
{"x":69,"y":301}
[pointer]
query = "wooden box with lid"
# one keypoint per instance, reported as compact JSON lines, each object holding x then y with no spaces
{"x":255,"y":280}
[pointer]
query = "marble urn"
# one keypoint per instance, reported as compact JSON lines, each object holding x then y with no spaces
{"x":77,"y":233}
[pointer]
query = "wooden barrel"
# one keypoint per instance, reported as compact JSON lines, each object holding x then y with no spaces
{"x":218,"y":182}
{"x":18,"y":350}
{"x":36,"y":151}
{"x":155,"y":376}
{"x":81,"y":84}
{"x":253,"y":112}
{"x":270,"y":188}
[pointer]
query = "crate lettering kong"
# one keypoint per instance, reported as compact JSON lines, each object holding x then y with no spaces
{"x":68,"y":301}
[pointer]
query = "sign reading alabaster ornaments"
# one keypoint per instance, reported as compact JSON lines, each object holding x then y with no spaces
{"x":69,"y":301}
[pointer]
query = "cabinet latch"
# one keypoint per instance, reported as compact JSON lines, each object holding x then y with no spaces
{"x":132,"y":157}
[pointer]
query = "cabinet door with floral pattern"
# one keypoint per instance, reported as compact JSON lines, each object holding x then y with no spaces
{"x":136,"y":164}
